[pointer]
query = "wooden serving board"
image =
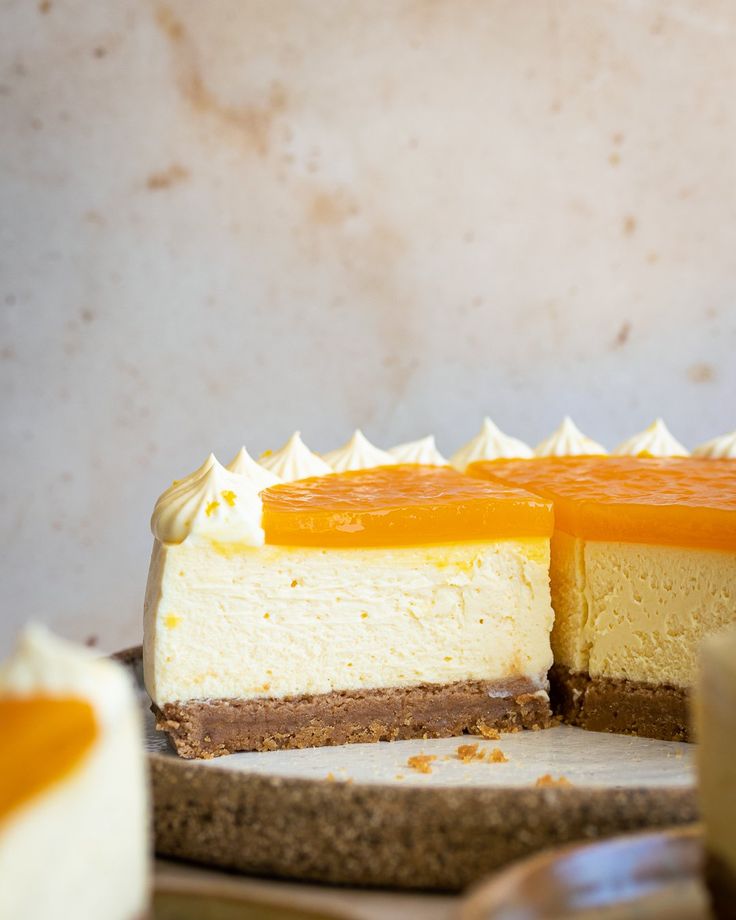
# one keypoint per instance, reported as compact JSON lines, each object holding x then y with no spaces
{"x":359,"y":815}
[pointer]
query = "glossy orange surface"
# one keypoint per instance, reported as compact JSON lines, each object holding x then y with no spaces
{"x":671,"y":501}
{"x":42,"y":739}
{"x":399,"y":506}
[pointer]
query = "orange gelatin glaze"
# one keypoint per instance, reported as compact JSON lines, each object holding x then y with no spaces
{"x":42,"y":739}
{"x":400,"y":505}
{"x":670,"y":501}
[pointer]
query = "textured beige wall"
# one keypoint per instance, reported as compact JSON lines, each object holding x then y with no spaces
{"x":221,"y":221}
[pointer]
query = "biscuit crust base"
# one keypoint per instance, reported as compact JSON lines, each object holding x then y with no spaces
{"x":210,"y":728}
{"x":625,"y":707}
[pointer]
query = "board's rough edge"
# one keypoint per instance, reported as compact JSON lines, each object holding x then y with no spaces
{"x":379,"y":835}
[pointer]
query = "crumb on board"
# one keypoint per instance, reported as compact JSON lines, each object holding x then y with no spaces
{"x":469,"y":752}
{"x":331,"y":778}
{"x":492,"y":734}
{"x":421,"y":762}
{"x":548,"y":780}
{"x":399,"y":776}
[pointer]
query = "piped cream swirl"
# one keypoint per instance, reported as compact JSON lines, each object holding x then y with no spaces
{"x":721,"y":448}
{"x":423,"y":451}
{"x":357,"y":454}
{"x":294,"y":461}
{"x":183,"y":483}
{"x":489,"y":444}
{"x":654,"y":441}
{"x":244,"y":465}
{"x":219,"y":504}
{"x":568,"y":441}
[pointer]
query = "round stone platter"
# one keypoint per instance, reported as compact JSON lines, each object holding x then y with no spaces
{"x":360,"y":815}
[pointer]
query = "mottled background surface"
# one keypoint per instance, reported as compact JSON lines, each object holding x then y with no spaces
{"x":221,"y":221}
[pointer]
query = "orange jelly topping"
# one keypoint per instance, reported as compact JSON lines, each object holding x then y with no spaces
{"x":671,"y":501}
{"x":42,"y":739}
{"x":400,"y":506}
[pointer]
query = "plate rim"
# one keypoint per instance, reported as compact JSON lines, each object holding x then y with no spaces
{"x":479,"y":899}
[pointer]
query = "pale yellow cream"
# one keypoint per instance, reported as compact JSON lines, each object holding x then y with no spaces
{"x":637,"y":611}
{"x":224,"y":620}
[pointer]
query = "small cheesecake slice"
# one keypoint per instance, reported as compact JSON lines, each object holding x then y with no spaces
{"x":73,"y":786}
{"x":394,"y":602}
{"x":643,"y":565}
{"x":715,"y":724}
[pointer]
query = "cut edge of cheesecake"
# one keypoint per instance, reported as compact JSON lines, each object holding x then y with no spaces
{"x":394,"y":641}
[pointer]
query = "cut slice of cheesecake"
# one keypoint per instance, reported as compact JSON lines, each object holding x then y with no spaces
{"x":715,"y":724}
{"x":73,"y":787}
{"x":643,"y":565}
{"x":394,"y":602}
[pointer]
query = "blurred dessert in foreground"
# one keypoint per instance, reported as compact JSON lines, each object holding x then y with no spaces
{"x":715,"y":722}
{"x":73,"y":786}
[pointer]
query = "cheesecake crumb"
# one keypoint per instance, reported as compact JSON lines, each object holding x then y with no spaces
{"x":493,"y":734}
{"x":330,"y":777}
{"x":468,"y":752}
{"x":399,"y":776}
{"x":421,"y":762}
{"x":548,"y":780}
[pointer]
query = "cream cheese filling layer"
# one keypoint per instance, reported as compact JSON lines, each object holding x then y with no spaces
{"x":230,"y":621}
{"x":637,"y":611}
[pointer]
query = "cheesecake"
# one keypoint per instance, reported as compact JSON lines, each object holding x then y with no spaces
{"x":73,"y":786}
{"x":643,"y":566}
{"x":395,"y":601}
{"x":715,"y":723}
